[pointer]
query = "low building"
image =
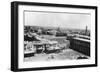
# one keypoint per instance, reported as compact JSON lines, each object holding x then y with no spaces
{"x":80,"y":44}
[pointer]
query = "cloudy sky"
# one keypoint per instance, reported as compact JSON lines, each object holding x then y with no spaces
{"x":63,"y":20}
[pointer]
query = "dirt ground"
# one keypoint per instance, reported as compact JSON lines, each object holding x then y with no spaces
{"x":67,"y":54}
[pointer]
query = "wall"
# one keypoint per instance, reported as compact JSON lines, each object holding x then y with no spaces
{"x":5,"y":17}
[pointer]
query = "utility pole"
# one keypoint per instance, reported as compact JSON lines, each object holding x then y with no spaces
{"x":86,"y":30}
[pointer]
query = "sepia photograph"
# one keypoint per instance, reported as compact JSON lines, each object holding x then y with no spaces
{"x":50,"y":36}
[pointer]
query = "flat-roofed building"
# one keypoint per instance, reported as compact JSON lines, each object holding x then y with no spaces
{"x":80,"y":44}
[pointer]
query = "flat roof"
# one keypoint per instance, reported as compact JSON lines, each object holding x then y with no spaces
{"x":81,"y":39}
{"x":83,"y":36}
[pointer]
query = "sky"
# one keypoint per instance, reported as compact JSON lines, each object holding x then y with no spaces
{"x":63,"y":20}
